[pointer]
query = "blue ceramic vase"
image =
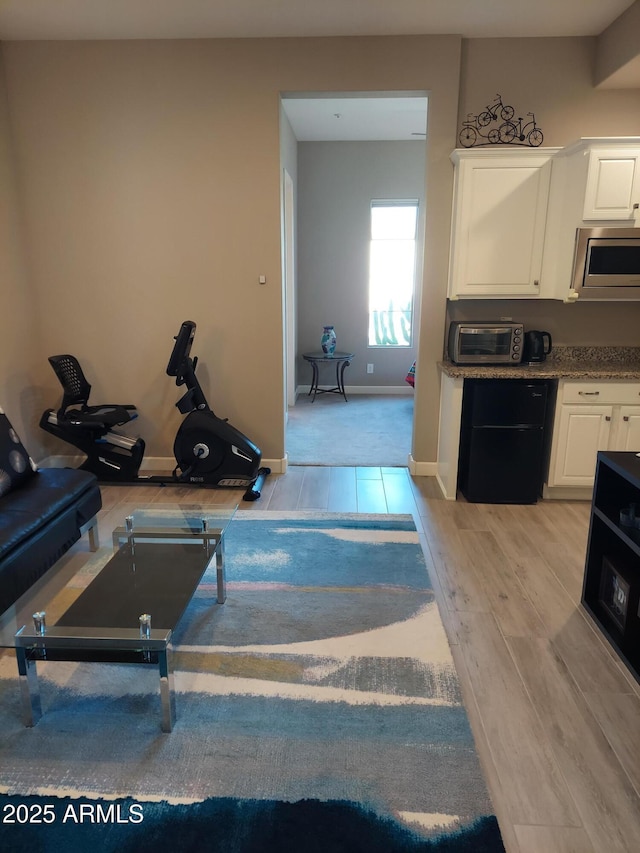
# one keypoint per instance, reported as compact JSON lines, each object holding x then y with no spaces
{"x":328,"y":341}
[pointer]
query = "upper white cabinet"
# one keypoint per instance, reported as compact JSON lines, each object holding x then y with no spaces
{"x":516,"y":211}
{"x":613,"y":184}
{"x":499,"y":221}
{"x":596,"y":182}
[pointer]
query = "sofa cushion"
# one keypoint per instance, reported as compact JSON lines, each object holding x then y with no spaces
{"x":16,"y":466}
{"x":47,"y":494}
{"x":39,"y":522}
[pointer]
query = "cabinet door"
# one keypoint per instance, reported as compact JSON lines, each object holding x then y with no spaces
{"x":613,"y":184}
{"x":629,"y":429}
{"x":499,"y":225}
{"x":580,"y":432}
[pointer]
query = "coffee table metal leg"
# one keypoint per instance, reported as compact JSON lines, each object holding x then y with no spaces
{"x":29,"y":688}
{"x":221,"y":575}
{"x":167,"y":693}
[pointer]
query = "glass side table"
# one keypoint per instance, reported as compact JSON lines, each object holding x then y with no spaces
{"x":341,"y":360}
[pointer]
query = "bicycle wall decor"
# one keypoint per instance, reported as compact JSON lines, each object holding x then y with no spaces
{"x":505,"y":129}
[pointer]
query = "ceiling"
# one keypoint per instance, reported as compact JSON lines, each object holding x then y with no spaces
{"x":154,"y":19}
{"x":336,"y":118}
{"x":330,"y":117}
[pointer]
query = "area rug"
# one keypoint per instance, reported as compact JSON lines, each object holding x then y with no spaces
{"x":318,"y":709}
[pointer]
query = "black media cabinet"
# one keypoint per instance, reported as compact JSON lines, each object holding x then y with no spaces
{"x":611,"y":589}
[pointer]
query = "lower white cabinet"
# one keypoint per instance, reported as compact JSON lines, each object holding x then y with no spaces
{"x":591,"y":416}
{"x":579,"y":432}
{"x":629,"y":429}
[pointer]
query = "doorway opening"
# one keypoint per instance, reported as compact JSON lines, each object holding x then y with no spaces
{"x":343,"y":155}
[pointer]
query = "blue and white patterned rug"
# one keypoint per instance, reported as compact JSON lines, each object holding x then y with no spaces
{"x":318,"y":709}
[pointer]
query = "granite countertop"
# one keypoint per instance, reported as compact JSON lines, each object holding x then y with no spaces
{"x":564,"y":362}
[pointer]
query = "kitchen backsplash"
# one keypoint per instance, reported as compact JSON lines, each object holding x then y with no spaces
{"x":608,"y":324}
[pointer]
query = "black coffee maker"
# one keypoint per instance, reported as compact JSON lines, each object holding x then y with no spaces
{"x":537,"y":346}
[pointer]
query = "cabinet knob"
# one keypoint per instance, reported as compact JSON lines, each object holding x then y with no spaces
{"x":607,"y":417}
{"x":625,"y":417}
{"x":536,"y":283}
{"x":636,"y":206}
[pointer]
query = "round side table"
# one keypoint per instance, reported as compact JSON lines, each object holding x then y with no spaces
{"x":341,"y":360}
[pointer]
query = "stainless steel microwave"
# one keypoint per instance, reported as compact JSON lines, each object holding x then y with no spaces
{"x":607,"y":263}
{"x":472,"y":342}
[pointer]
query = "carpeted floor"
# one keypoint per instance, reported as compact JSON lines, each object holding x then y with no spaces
{"x":318,"y":709}
{"x":366,"y":430}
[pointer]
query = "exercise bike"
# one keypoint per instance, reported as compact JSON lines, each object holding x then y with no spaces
{"x":209,"y":451}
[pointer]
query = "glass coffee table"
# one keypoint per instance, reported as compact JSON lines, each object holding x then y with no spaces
{"x":122,"y":609}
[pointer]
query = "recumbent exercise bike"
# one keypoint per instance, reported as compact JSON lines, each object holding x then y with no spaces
{"x":209,"y":451}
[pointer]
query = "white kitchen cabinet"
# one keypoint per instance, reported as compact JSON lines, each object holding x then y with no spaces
{"x":591,"y":416}
{"x":499,"y":221}
{"x":579,"y":433}
{"x":613,"y":184}
{"x":595,"y":182}
{"x":629,"y":429}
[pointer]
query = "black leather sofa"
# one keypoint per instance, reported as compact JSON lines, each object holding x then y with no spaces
{"x":43,"y":512}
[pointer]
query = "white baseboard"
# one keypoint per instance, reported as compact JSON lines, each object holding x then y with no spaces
{"x":60,"y":461}
{"x":567,"y":493}
{"x":422,"y":469}
{"x":394,"y":390}
{"x":168,"y":463}
{"x":149,"y":463}
{"x":443,"y":489}
{"x":158,"y":463}
{"x":278,"y":466}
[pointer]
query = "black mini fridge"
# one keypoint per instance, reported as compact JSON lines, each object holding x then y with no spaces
{"x":504,"y":439}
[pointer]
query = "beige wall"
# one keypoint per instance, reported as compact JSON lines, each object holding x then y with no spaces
{"x":571,"y":324}
{"x":618,"y":50}
{"x":149,"y":177}
{"x":20,"y":352}
{"x":151,"y":186}
{"x":551,"y":77}
{"x":150,"y":182}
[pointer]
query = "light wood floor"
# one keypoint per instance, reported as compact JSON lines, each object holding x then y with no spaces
{"x":556,"y":717}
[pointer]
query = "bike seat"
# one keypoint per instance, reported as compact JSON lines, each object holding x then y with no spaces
{"x":75,"y":410}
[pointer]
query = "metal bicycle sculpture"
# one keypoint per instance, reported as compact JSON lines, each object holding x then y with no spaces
{"x":507,"y":131}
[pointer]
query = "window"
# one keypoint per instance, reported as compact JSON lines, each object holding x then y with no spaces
{"x":392,"y":264}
